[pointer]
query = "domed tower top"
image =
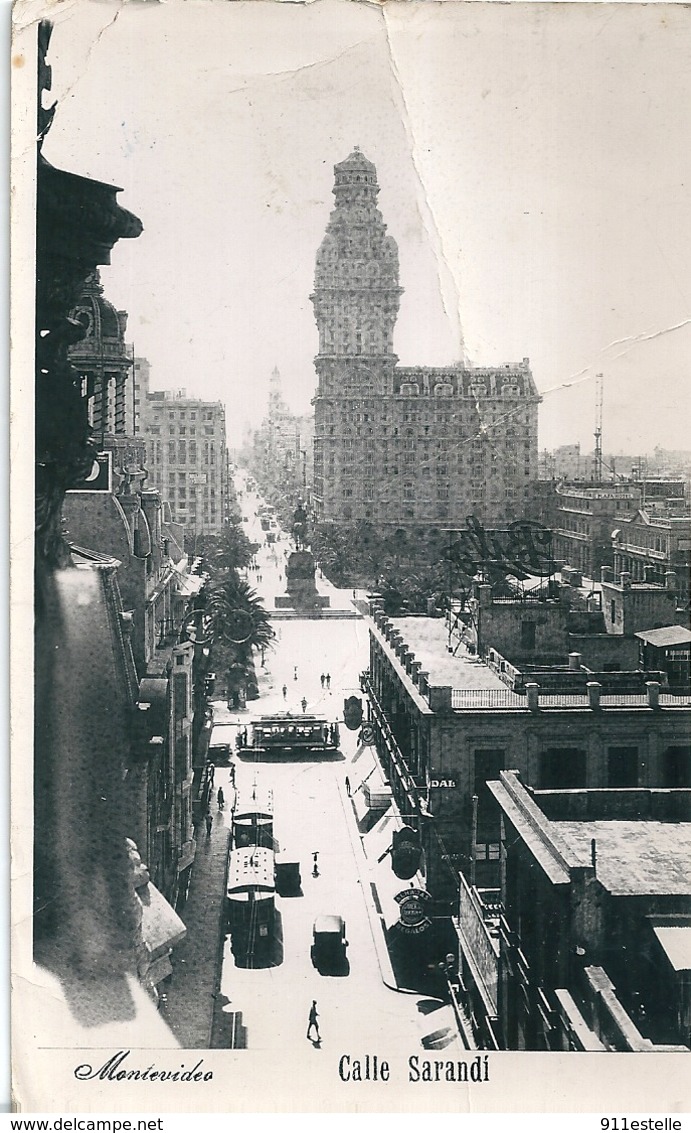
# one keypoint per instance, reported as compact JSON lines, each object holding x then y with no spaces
{"x":355,"y":179}
{"x":99,"y":317}
{"x":356,"y":292}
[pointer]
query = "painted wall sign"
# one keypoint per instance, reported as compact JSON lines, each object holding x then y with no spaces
{"x":524,"y":547}
{"x":436,"y":783}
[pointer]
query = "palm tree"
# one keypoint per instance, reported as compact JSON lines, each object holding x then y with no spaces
{"x":231,"y":550}
{"x":239,"y":624}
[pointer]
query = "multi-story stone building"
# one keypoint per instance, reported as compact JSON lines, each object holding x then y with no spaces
{"x":187,"y":456}
{"x":420,"y":446}
{"x":104,"y":363}
{"x":445,"y":723}
{"x":646,"y":543}
{"x":587,"y":873}
{"x":585,"y":515}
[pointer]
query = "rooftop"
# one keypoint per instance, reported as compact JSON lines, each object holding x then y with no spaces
{"x":632,"y":858}
{"x":668,"y":635}
{"x":428,"y":638}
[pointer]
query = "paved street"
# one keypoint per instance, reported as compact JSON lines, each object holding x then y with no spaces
{"x":266,"y":1008}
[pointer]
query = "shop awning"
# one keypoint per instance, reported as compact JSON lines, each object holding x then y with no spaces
{"x":162,"y":928}
{"x":675,"y":940}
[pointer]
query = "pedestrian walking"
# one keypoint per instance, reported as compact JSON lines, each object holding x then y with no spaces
{"x":285,"y":691}
{"x":220,"y":798}
{"x":313,"y":1023}
{"x":232,"y":774}
{"x":303,"y":702}
{"x":347,"y":786}
{"x":322,"y":679}
{"x":328,"y":680}
{"x":211,"y":768}
{"x":209,"y":818}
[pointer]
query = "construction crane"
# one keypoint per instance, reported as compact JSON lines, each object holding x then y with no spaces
{"x":597,"y":469}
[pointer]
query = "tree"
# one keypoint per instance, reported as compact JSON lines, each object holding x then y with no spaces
{"x":230,"y":550}
{"x":239,"y":624}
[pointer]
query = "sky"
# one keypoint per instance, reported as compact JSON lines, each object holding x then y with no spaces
{"x":534,"y":166}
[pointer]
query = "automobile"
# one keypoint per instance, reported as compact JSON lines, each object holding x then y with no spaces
{"x":220,"y":753}
{"x":329,"y":945}
{"x":288,"y":877}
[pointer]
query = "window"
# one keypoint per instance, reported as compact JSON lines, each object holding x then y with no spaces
{"x":489,"y":762}
{"x":622,"y":767}
{"x":527,"y":635}
{"x":677,"y":766}
{"x":562,"y":768}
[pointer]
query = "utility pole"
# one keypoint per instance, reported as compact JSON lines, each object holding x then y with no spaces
{"x":599,"y":383}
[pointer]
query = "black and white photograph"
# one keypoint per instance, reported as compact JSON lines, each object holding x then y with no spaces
{"x":350,"y":557}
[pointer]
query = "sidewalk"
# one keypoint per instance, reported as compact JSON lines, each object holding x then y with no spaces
{"x":450,"y":1028}
{"x":196,"y":961}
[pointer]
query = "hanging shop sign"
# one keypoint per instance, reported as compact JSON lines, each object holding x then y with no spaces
{"x":413,"y":910}
{"x":367,"y":735}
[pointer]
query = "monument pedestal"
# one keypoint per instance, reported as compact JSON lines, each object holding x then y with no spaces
{"x":300,"y":585}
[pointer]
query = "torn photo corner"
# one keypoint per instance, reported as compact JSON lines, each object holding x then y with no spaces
{"x":350,"y":678}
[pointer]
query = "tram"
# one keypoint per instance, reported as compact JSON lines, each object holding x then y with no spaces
{"x":251,"y":905}
{"x":286,"y":734}
{"x":253,"y":818}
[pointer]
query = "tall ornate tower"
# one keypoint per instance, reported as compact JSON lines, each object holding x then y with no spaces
{"x":419,"y":447}
{"x":356,"y":299}
{"x":356,"y":293}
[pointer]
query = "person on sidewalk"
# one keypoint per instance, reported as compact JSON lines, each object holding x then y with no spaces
{"x":313,"y":1023}
{"x":303,"y":702}
{"x":295,"y":672}
{"x":328,"y":680}
{"x":285,"y":691}
{"x":220,"y":798}
{"x":209,"y":823}
{"x":322,"y":679}
{"x":347,"y":786}
{"x":315,"y":867}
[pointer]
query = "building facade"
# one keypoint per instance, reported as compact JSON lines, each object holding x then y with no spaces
{"x":417,"y":446}
{"x":187,"y":456}
{"x":447,"y":723}
{"x":583,"y":520}
{"x":647,"y":542}
{"x":585,"y":873}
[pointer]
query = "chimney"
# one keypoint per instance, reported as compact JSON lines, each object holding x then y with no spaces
{"x":606,"y":574}
{"x":670,"y":580}
{"x":440,"y":698}
{"x":594,"y":689}
{"x":533,"y":694}
{"x":625,"y":580}
{"x":653,"y":688}
{"x":575,"y":661}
